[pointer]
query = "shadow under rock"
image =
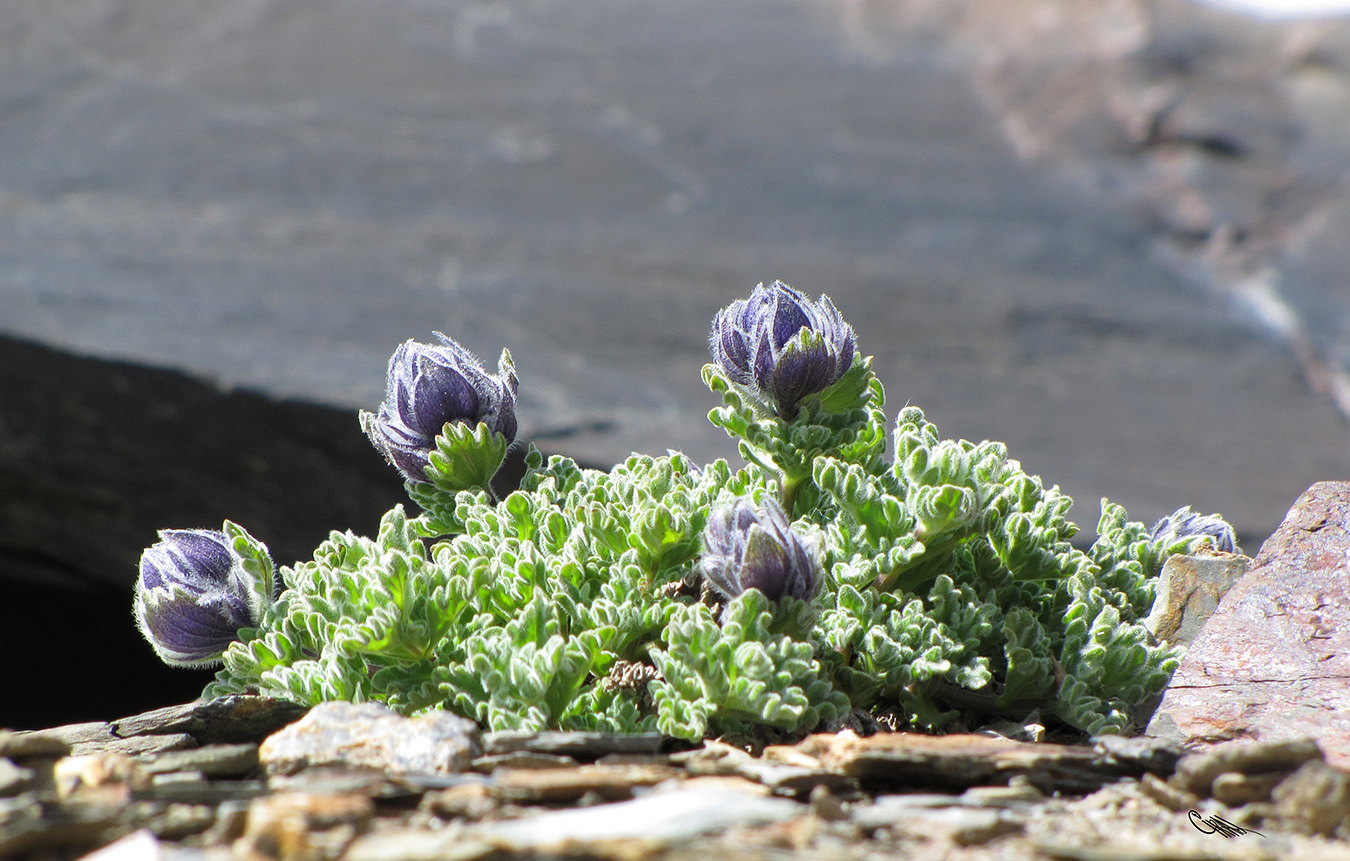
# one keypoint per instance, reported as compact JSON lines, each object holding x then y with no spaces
{"x":95,"y":457}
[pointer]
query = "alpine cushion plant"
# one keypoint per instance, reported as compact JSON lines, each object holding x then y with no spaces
{"x":932,"y":580}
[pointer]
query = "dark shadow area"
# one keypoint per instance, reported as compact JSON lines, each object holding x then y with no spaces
{"x":95,"y":457}
{"x":74,"y":655}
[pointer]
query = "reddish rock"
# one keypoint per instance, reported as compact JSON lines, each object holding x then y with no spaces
{"x":1273,"y":662}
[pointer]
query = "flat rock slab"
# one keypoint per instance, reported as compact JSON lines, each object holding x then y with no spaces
{"x":959,"y":761}
{"x":221,"y":720}
{"x":581,"y":744}
{"x":224,"y":720}
{"x":555,"y":785}
{"x":1273,"y":662}
{"x":652,"y":820}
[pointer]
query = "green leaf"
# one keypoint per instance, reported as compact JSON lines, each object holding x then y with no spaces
{"x":466,"y":457}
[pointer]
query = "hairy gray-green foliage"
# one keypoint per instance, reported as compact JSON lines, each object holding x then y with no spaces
{"x":950,"y":584}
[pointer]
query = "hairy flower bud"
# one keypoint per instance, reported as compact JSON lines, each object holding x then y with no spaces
{"x":1184,"y":523}
{"x":749,"y":548}
{"x":430,"y":385}
{"x":781,"y":345}
{"x":194,"y":594}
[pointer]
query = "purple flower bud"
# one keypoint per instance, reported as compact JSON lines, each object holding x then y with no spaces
{"x":1184,"y":523}
{"x":430,"y":385}
{"x":749,"y":548}
{"x":782,"y":345}
{"x":194,"y":595}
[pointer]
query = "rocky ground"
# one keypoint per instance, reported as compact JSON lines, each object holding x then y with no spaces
{"x":208,"y":781}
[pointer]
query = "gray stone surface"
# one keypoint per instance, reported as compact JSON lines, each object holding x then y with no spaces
{"x":1039,"y":216}
{"x":680,"y":812}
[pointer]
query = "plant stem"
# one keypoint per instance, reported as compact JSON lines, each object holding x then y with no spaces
{"x":790,"y":487}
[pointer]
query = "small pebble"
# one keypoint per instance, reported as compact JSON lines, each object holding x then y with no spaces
{"x":1316,"y":798}
{"x":1236,"y":790}
{"x":1173,"y":798}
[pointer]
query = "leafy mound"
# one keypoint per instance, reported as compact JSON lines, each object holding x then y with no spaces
{"x":949,"y":583}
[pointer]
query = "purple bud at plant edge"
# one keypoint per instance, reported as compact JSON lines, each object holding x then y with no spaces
{"x":749,"y":548}
{"x":1184,"y":523}
{"x":782,"y":345}
{"x":193,"y":596}
{"x":430,"y":385}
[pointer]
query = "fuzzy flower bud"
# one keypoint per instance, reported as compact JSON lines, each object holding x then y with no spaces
{"x":430,"y":385}
{"x":194,"y":594}
{"x":749,"y":548}
{"x":1184,"y":523}
{"x":781,"y":345}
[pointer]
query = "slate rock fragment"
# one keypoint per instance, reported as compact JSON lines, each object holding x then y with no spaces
{"x":652,"y":821}
{"x":583,"y":745}
{"x":558,"y":785}
{"x":214,"y":760}
{"x":223,"y":720}
{"x":1196,"y":773}
{"x":23,"y":745}
{"x":908,"y":760}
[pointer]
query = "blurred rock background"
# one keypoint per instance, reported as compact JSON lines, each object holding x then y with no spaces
{"x":1107,"y":232}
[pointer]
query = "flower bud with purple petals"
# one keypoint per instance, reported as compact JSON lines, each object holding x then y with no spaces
{"x":781,"y":345}
{"x":430,"y":385}
{"x":1185,"y":523}
{"x":745,"y":547}
{"x":194,"y":593}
